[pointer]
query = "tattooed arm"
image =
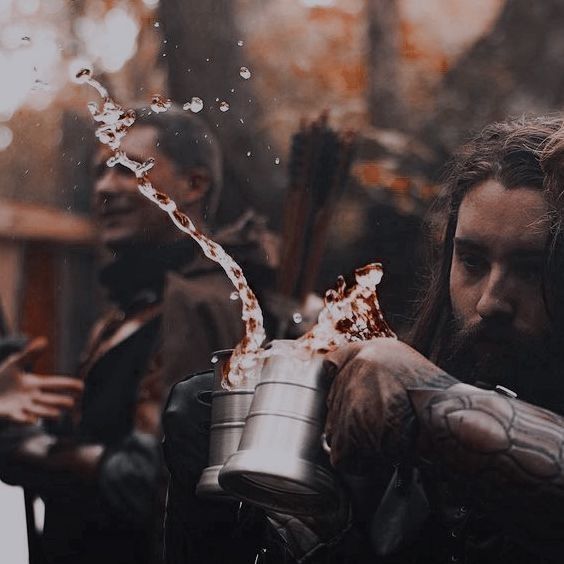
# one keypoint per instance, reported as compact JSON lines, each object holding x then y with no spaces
{"x":512,"y":452}
{"x":370,"y":414}
{"x":390,"y":402}
{"x":486,"y":434}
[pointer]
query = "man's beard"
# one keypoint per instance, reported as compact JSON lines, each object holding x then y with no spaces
{"x":530,"y":366}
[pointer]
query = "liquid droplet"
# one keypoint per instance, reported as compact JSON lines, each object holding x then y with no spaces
{"x":83,"y":75}
{"x":157,"y":24}
{"x":224,"y":106}
{"x":160,"y":104}
{"x":245,"y":73}
{"x":277,"y":161}
{"x":128,"y":118}
{"x":196,"y":105}
{"x":297,"y":318}
{"x":234,"y":296}
{"x":248,"y":153}
{"x":40,"y":85}
{"x":240,"y":43}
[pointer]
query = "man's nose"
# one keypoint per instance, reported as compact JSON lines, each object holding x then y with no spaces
{"x":496,"y":299}
{"x":108,"y":183}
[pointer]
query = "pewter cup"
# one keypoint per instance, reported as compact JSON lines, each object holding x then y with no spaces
{"x":280,"y":464}
{"x":228,"y":412}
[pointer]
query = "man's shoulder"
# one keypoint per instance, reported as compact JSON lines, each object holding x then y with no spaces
{"x":206,"y":286}
{"x":203,"y":301}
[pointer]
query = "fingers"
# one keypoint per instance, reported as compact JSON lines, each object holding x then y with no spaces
{"x":23,"y":417}
{"x":50,"y":396}
{"x":29,"y":354}
{"x":336,"y":366}
{"x":342,"y":355}
{"x":55,"y":400}
{"x":335,"y":443}
{"x":37,"y":410}
{"x":59,"y":384}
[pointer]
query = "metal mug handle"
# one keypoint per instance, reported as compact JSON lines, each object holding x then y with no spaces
{"x":324,"y":444}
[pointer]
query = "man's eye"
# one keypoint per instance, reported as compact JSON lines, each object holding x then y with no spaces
{"x":100,"y":169}
{"x":472,"y":263}
{"x":123,"y":170}
{"x":103,"y":168}
{"x":529,"y":271}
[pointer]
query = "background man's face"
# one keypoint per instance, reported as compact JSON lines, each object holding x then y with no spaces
{"x":496,"y":280}
{"x":125,"y":216}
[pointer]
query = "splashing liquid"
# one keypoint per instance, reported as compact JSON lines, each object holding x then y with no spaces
{"x":349,"y":314}
{"x":160,"y":104}
{"x":114,"y":123}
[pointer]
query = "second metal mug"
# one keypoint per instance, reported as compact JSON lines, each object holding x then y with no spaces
{"x":228,"y":412}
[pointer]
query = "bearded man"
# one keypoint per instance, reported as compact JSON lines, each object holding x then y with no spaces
{"x":458,"y":440}
{"x":476,"y":415}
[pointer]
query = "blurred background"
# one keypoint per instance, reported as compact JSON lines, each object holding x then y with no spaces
{"x":411,"y":77}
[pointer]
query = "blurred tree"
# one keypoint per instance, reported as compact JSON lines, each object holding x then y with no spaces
{"x":387,"y":108}
{"x":204,"y":60}
{"x":516,"y":68}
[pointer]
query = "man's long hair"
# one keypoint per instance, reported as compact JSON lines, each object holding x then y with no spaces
{"x":509,"y":153}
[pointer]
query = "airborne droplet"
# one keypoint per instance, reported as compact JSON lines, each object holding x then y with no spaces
{"x":234,"y":296}
{"x":277,"y":161}
{"x":224,"y":106}
{"x":160,"y":104}
{"x":240,"y":43}
{"x":196,"y":105}
{"x":83,"y":75}
{"x":40,"y":85}
{"x":245,"y":73}
{"x":297,"y":317}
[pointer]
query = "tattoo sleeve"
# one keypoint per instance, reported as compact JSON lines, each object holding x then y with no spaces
{"x":511,"y":451}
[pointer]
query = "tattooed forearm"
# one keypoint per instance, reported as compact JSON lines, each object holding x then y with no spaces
{"x":497,"y":440}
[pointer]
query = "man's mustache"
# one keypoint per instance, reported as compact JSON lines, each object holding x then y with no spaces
{"x":513,"y":342}
{"x":527,"y":364}
{"x":487,"y":333}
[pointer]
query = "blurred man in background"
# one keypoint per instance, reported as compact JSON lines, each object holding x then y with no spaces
{"x":102,"y":478}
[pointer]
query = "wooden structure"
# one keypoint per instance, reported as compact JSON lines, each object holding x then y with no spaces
{"x":47,"y":283}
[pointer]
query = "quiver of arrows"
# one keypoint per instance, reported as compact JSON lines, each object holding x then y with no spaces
{"x":320,"y":162}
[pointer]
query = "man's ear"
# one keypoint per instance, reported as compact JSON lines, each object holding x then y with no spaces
{"x":198,"y":185}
